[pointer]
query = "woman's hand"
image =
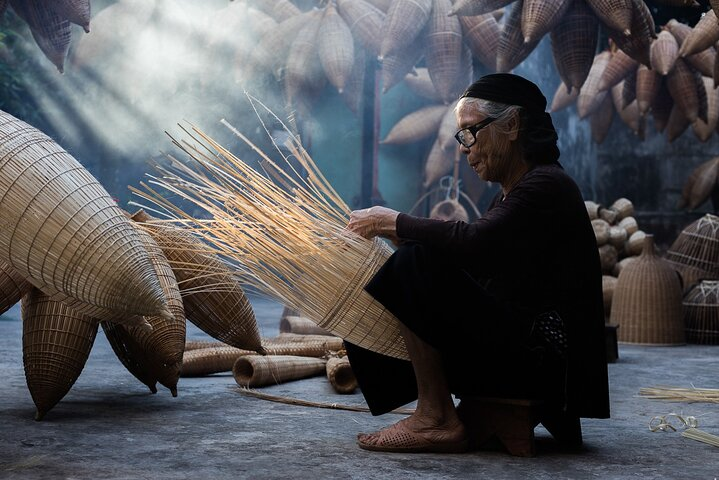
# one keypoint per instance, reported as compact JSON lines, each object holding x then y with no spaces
{"x":374,"y":222}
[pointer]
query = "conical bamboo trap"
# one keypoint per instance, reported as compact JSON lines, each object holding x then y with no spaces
{"x":701,"y":313}
{"x":260,"y":371}
{"x":512,"y":49}
{"x":286,"y":236}
{"x":699,"y":184}
{"x":481,"y":33}
{"x":364,"y":21}
{"x":51,"y":31}
{"x":404,"y":21}
{"x":695,"y":252}
{"x":664,"y":52}
{"x":76,"y":11}
{"x":539,"y":17}
{"x":574,"y":43}
{"x":336,"y":47}
{"x":131,"y":353}
{"x":56,"y":342}
{"x":444,"y":49}
{"x":13,"y":287}
{"x":62,"y":228}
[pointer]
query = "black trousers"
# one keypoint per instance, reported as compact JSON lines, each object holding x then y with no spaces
{"x":483,"y":342}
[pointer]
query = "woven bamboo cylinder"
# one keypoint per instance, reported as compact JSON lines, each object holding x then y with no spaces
{"x":635,"y":243}
{"x":540,"y":16}
{"x":56,"y":342}
{"x":590,"y":97}
{"x":255,"y":371}
{"x":664,"y":52}
{"x":704,"y":130}
{"x":609,"y":283}
{"x":677,"y":123}
{"x":512,"y":48}
{"x":416,"y":126}
{"x":601,"y":231}
{"x":615,"y":14}
{"x":608,"y":257}
{"x":438,"y":164}
{"x":624,"y":208}
{"x":647,"y":301}
{"x":449,"y":210}
{"x":618,"y":237}
{"x":272,"y":49}
{"x":63,"y":229}
{"x":340,"y":375}
{"x":212,"y":297}
{"x":13,"y":286}
{"x":704,"y":34}
{"x":629,"y":224}
{"x":618,"y":67}
{"x":629,"y":92}
{"x":574,"y":43}
{"x":396,"y":67}
{"x":77,"y":11}
{"x":621,"y":264}
{"x":444,"y":49}
{"x":404,"y":21}
{"x":695,"y":252}
{"x":699,"y":184}
{"x":336,"y":47}
{"x":474,"y":7}
{"x":563,"y":98}
{"x":51,"y":31}
{"x":648,"y":83}
{"x":638,"y":44}
{"x":206,"y":361}
{"x":714,"y":5}
{"x":662,"y":107}
{"x":280,"y":10}
{"x":703,"y":60}
{"x":199,"y":344}
{"x":301,"y":326}
{"x":592,"y":209}
{"x":364,"y":21}
{"x":482,"y":32}
{"x":131,"y":353}
{"x":325,"y":342}
{"x":701,"y":313}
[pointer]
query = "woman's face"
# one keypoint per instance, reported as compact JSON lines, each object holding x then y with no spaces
{"x":486,"y":157}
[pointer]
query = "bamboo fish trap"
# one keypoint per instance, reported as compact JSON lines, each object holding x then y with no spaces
{"x":444,"y":49}
{"x":540,"y":16}
{"x":574,"y":42}
{"x":77,"y":11}
{"x":12,"y":287}
{"x":481,"y":33}
{"x":404,"y":21}
{"x":340,"y":375}
{"x":364,"y":21}
{"x":474,"y":7}
{"x":512,"y":48}
{"x":61,"y":228}
{"x":417,"y":125}
{"x":701,"y":313}
{"x":285,"y":235}
{"x":51,"y":32}
{"x":261,"y":371}
{"x":664,"y":52}
{"x":301,"y":326}
{"x":336,"y":47}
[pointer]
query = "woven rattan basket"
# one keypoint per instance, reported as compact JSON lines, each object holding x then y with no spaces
{"x":704,"y":35}
{"x":56,"y":342}
{"x":647,"y":88}
{"x":473,"y":7}
{"x":482,"y":34}
{"x":212,"y":297}
{"x":51,"y":32}
{"x":615,"y":14}
{"x":647,"y":301}
{"x":61,"y":228}
{"x":77,"y":11}
{"x":256,"y":371}
{"x":540,"y":16}
{"x":695,"y":252}
{"x":701,"y":313}
{"x":638,"y":44}
{"x":590,"y":98}
{"x":12,"y":287}
{"x":340,"y":375}
{"x":664,"y":52}
{"x":336,"y":47}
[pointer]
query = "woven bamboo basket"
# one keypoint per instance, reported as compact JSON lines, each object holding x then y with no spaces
{"x":473,"y":7}
{"x":629,"y":114}
{"x":629,"y":90}
{"x":608,"y":257}
{"x":199,"y":344}
{"x":648,"y":83}
{"x":131,"y":353}
{"x":638,"y":44}
{"x":664,"y":52}
{"x":280,"y":10}
{"x":206,"y":361}
{"x":444,"y":49}
{"x":212,"y":297}
{"x":325,"y":343}
{"x":353,"y":92}
{"x":574,"y":43}
{"x":635,"y":243}
{"x":77,"y":11}
{"x":13,"y":287}
{"x":695,"y":252}
{"x":64,"y":230}
{"x":563,"y":98}
{"x":304,"y":77}
{"x":609,"y":283}
{"x":601,"y":231}
{"x":447,"y":129}
{"x":662,"y":107}
{"x":254,"y":371}
{"x":51,"y":32}
{"x":619,"y":66}
{"x":449,"y":210}
{"x":647,"y":301}
{"x":382,"y":5}
{"x":714,"y":5}
{"x":621,"y":264}
{"x":481,"y":33}
{"x":677,"y":123}
{"x":466,"y":73}
{"x":396,"y":67}
{"x":624,"y":208}
{"x":715,"y":71}
{"x":340,"y":375}
{"x":404,"y":21}
{"x":364,"y":21}
{"x":420,"y":84}
{"x":618,"y":237}
{"x":629,"y":224}
{"x":590,"y":97}
{"x":699,"y":184}
{"x":301,"y":325}
{"x":615,"y":14}
{"x":703,"y":60}
{"x":512,"y":48}
{"x":601,"y":120}
{"x":701,"y":313}
{"x":540,"y":16}
{"x":336,"y":48}
{"x":56,"y":342}
{"x":438,"y":164}
{"x":416,"y":126}
{"x":704,"y":130}
{"x":683,"y":89}
{"x":704,"y":35}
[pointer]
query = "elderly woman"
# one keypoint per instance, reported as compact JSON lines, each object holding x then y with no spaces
{"x":507,"y":306}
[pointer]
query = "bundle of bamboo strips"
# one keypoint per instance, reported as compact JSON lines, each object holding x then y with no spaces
{"x":680,"y":394}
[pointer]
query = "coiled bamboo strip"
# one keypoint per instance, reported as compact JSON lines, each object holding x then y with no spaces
{"x":254,"y":371}
{"x":340,"y":375}
{"x":574,"y":43}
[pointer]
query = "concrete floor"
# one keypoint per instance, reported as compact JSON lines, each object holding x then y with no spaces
{"x":110,"y":427}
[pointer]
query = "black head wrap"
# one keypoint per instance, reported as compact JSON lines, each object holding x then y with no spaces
{"x":540,"y":137}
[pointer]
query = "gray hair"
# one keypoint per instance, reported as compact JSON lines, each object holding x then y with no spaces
{"x":501,"y":111}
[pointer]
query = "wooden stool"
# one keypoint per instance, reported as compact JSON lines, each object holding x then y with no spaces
{"x":512,"y":422}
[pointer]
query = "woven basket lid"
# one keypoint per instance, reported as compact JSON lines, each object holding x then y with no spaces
{"x":701,"y":313}
{"x":62,"y":228}
{"x":647,"y":301}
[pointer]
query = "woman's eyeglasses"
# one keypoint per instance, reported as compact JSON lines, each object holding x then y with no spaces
{"x":468,"y":136}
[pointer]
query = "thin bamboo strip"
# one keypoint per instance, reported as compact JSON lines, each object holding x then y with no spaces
{"x":680,"y":394}
{"x":695,"y":252}
{"x":444,"y":49}
{"x":77,"y":11}
{"x":131,"y":353}
{"x":540,"y":16}
{"x":51,"y":32}
{"x":56,"y":342}
{"x":574,"y":43}
{"x":477,"y":7}
{"x":63,"y":229}
{"x":13,"y":287}
{"x":253,"y":371}
{"x":512,"y":48}
{"x":291,"y":245}
{"x":590,"y":97}
{"x":336,"y":47}
{"x":482,"y":33}
{"x":416,"y":125}
{"x":704,"y":34}
{"x":563,"y":98}
{"x":301,"y":325}
{"x":648,"y":84}
{"x":701,"y":436}
{"x":705,"y":129}
{"x":615,"y":14}
{"x":404,"y":21}
{"x":664,"y":52}
{"x":701,"y":313}
{"x":340,"y":375}
{"x":619,"y":66}
{"x":364,"y":21}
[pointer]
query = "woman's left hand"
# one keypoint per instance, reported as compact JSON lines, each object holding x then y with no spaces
{"x":374,"y":222}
